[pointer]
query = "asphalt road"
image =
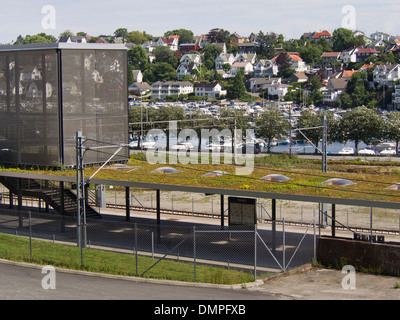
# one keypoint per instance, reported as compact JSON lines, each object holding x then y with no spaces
{"x":19,"y":282}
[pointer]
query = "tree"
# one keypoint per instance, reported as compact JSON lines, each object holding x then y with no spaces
{"x":266,"y":45}
{"x":237,"y":89}
{"x":271,"y":125}
{"x":137,"y":58}
{"x":185,"y":36}
{"x":37,"y":38}
{"x":211,"y":52}
{"x":121,"y":33}
{"x":311,"y":54}
{"x":164,"y":71}
{"x":283,"y":61}
{"x":392,"y":128}
{"x":165,"y":54}
{"x":360,"y":124}
{"x":67,"y":33}
{"x":314,"y":86}
{"x":342,"y":39}
{"x":137,"y":37}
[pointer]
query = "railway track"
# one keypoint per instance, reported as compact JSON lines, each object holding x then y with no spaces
{"x":217,"y":216}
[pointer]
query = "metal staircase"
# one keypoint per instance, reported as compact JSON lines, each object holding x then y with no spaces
{"x":63,"y":201}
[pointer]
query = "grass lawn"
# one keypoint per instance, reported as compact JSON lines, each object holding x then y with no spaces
{"x":371,"y":177}
{"x":17,"y":248}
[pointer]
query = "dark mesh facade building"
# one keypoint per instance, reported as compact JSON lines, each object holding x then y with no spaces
{"x":48,"y":92}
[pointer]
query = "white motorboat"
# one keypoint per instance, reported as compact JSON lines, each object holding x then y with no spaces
{"x":388,"y":152}
{"x":183,"y":146}
{"x":366,"y":152}
{"x":346,"y":151}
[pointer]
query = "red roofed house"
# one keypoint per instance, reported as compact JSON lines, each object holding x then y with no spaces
{"x":171,"y":42}
{"x":188,"y":47}
{"x":296,"y":62}
{"x":328,"y":57}
{"x":364,"y":53}
{"x":324,"y":34}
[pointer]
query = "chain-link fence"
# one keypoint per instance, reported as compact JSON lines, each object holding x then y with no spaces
{"x":288,"y":241}
{"x":249,"y":249}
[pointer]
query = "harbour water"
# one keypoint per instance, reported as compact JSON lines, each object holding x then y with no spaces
{"x":296,"y":148}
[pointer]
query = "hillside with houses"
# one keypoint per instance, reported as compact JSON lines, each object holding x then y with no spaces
{"x":341,"y":69}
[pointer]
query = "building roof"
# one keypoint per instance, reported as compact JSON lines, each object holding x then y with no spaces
{"x":206,"y":85}
{"x":300,"y":76}
{"x":240,"y":64}
{"x":324,"y":33}
{"x":63,"y":45}
{"x":338,"y":84}
{"x":331,"y":54}
{"x":292,"y":56}
{"x":142,"y":85}
{"x":386,"y":67}
{"x":348,"y":73}
{"x":367,"y":50}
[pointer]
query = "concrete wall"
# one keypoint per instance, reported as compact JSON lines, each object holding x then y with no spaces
{"x":382,"y":258}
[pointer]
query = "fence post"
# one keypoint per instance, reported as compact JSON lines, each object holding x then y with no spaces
{"x":136,"y":250}
{"x":152,"y":244}
{"x":315,"y":237}
{"x":283,"y":245}
{"x":371,"y":226}
{"x":255,"y":252}
{"x":30,"y":237}
{"x":194,"y":251}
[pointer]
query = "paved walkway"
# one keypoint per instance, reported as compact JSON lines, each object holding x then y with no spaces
{"x":308,"y":283}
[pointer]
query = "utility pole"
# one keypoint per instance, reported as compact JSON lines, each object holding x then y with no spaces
{"x":324,"y":145}
{"x":80,"y":192}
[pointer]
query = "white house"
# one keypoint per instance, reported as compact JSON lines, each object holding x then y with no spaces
{"x":73,"y":39}
{"x":335,"y":88}
{"x":224,"y":58}
{"x":349,"y":55}
{"x":278,"y":89}
{"x":149,"y":45}
{"x":139,"y":88}
{"x":246,"y":57}
{"x":297,"y":63}
{"x":265,"y":68}
{"x":259,"y":84}
{"x":246,"y":67}
{"x":160,"y":90}
{"x":188,"y":58}
{"x":380,"y":36}
{"x":386,"y":74}
{"x":212,"y":90}
{"x":396,"y":97}
{"x":172,"y":42}
{"x":137,"y":76}
{"x":186,"y":70}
